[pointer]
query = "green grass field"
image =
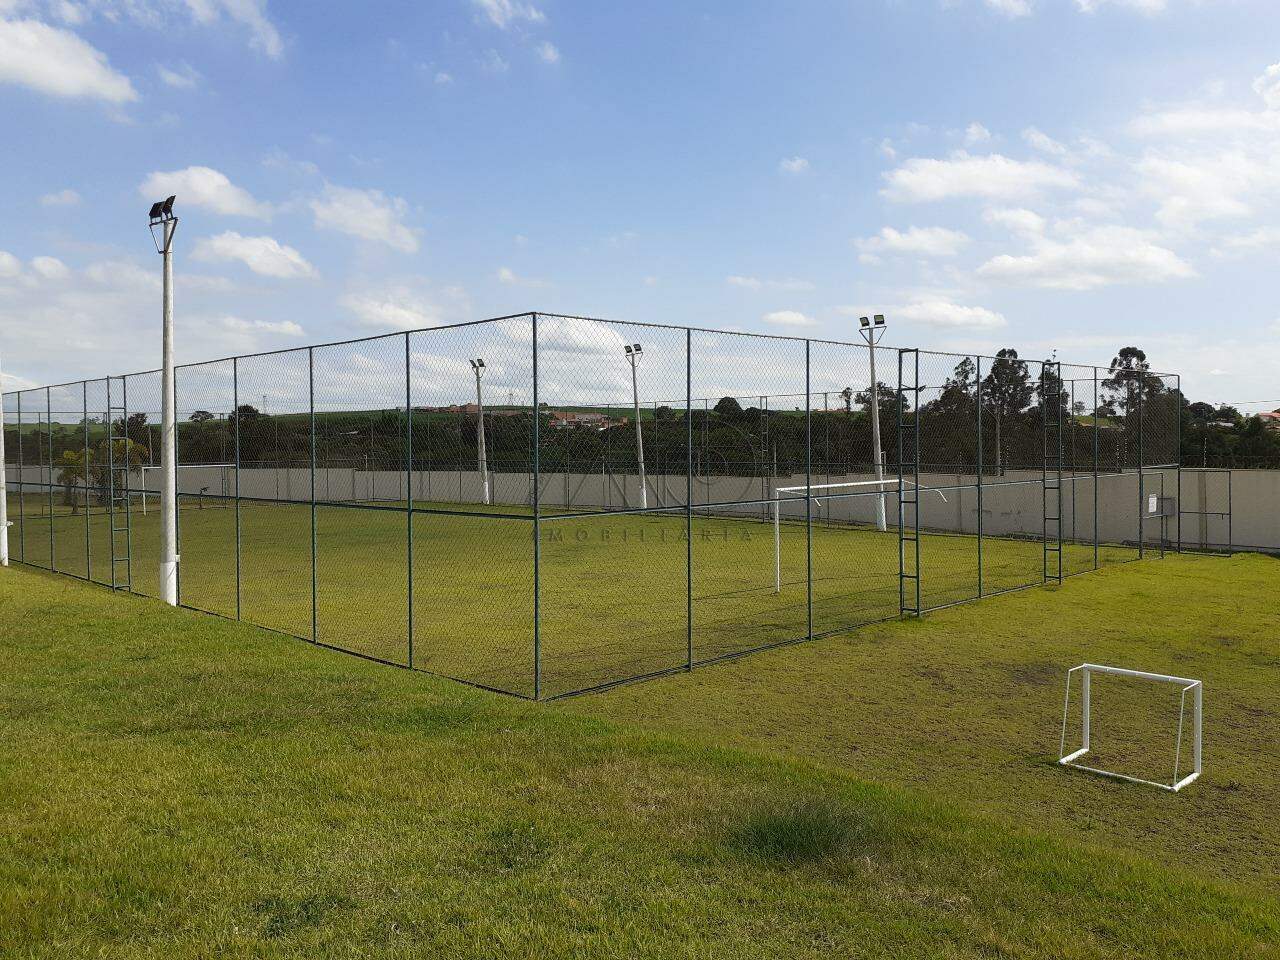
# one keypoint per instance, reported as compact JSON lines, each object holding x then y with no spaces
{"x":177,"y":785}
{"x":613,"y":586}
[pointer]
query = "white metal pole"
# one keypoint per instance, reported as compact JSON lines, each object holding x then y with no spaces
{"x":877,"y":455}
{"x":1085,"y":705}
{"x":168,"y":453}
{"x":4,"y":488}
{"x":484,"y":463}
{"x":635,"y":400}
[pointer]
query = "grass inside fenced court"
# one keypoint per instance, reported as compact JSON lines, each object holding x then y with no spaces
{"x":177,"y":785}
{"x":613,"y":586}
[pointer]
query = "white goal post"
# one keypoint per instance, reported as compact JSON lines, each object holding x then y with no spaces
{"x":223,"y":481}
{"x":1194,"y":687}
{"x":826,"y":491}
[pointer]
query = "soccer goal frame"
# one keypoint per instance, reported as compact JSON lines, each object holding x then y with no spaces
{"x":849,"y":488}
{"x":225,"y":481}
{"x":1193,"y":687}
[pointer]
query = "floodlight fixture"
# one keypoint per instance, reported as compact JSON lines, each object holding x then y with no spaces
{"x":872,"y":330}
{"x":477,"y":365}
{"x":633,"y":351}
{"x":156,"y":209}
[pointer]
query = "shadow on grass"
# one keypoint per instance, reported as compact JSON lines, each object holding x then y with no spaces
{"x":803,"y":832}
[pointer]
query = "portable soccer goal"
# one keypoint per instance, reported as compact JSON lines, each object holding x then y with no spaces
{"x":825,"y":494}
{"x":218,"y":477}
{"x":1193,"y":687}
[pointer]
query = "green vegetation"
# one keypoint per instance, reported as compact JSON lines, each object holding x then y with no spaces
{"x":177,"y":785}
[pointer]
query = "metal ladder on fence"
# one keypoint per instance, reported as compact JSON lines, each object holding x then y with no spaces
{"x":118,"y":491}
{"x":908,"y":403}
{"x":1051,"y":399}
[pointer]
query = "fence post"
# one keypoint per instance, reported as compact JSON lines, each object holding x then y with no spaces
{"x":688,"y":495}
{"x":978,"y":378}
{"x":1096,"y":437}
{"x":22,"y":493}
{"x":537,"y":523}
{"x":1142,"y":480}
{"x":408,"y":488}
{"x":235,"y":408}
{"x":808,"y":488}
{"x":311,"y":397}
{"x":88,"y":554}
{"x":48,"y":403}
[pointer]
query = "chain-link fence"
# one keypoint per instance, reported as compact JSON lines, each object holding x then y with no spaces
{"x":544,"y":504}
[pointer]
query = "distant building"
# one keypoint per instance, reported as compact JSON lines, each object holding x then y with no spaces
{"x":571,"y":420}
{"x":1270,"y":420}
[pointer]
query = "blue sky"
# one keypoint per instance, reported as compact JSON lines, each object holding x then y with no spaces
{"x":1074,"y":175}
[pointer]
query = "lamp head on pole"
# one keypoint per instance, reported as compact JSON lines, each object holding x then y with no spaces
{"x":478,"y":366}
{"x":161,"y":215}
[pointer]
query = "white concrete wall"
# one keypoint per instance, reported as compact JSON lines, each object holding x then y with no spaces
{"x":1011,"y":504}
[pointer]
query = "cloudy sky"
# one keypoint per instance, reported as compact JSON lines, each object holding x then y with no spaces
{"x":1074,"y":175}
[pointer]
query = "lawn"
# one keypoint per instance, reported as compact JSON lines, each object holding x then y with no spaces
{"x":178,"y":785}
{"x":612,"y":589}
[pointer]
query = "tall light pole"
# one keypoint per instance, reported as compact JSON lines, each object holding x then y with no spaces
{"x":4,"y":488}
{"x":161,"y":216}
{"x":477,"y":365}
{"x":872,"y":330}
{"x":633,"y":354}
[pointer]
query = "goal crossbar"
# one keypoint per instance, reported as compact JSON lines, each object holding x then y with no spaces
{"x":852,"y":488}
{"x":1193,"y":687}
{"x":224,"y":467}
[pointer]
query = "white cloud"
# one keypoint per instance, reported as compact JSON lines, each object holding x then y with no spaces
{"x":63,"y":198}
{"x":1267,"y":86}
{"x":793,"y":165}
{"x":367,"y":214}
{"x":788,"y":318}
{"x":183,"y":76}
{"x":252,"y":14}
{"x":887,"y":149}
{"x":755,"y":283}
{"x":1043,"y":142}
{"x":58,"y":63}
{"x":204,"y":187}
{"x":284,"y":328}
{"x":1206,"y":187}
{"x":992,"y":177}
{"x":919,"y":241}
{"x":443,"y":79}
{"x":548,"y":53}
{"x":1011,"y":8}
{"x":1095,"y":257}
{"x":1264,"y":238}
{"x":10,"y":266}
{"x":976,"y":133}
{"x":1018,"y":220}
{"x":399,"y":308}
{"x":50,"y":268}
{"x":506,"y":13}
{"x":263,"y":255}
{"x":943,"y":313}
{"x":1142,"y":6}
{"x":508,"y":276}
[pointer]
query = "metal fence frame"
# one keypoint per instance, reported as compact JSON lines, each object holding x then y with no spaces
{"x":970,"y":395}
